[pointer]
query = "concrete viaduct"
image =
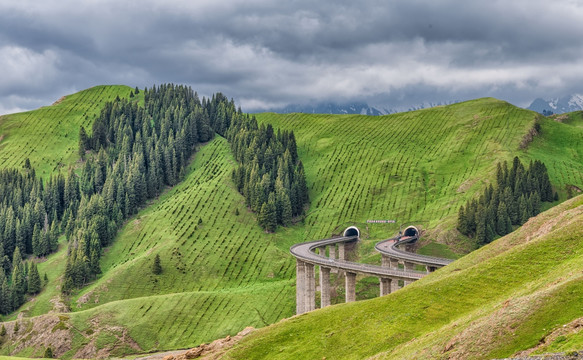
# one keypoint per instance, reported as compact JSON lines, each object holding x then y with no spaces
{"x":313,"y":253}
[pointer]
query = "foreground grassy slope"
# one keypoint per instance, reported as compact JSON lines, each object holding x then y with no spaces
{"x":49,"y":136}
{"x":497,"y":301}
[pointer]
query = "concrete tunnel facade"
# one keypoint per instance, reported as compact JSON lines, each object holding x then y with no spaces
{"x":351,"y":231}
{"x":411,"y":231}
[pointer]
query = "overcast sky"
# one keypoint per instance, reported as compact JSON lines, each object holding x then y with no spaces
{"x":272,"y":53}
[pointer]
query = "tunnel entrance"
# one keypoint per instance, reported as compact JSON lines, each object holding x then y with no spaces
{"x":411,"y":231}
{"x":351,"y":231}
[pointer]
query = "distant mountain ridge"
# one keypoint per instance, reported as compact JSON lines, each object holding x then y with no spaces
{"x":559,"y":105}
{"x":353,"y":108}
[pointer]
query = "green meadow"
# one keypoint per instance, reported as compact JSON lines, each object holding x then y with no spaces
{"x":49,"y":136}
{"x":222,"y":272}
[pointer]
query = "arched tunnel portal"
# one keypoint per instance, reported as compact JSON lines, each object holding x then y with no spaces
{"x":411,"y":231}
{"x":352,"y":231}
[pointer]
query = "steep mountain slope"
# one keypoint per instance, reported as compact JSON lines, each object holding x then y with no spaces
{"x":225,"y":273}
{"x":504,"y":298}
{"x":49,"y":136}
{"x":418,"y":166}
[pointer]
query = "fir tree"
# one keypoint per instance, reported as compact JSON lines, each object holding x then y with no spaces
{"x":157,"y":266}
{"x":34,"y":283}
{"x":502,"y":216}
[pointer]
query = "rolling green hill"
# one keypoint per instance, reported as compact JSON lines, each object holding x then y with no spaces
{"x":523,"y":292}
{"x":419,"y":167}
{"x":49,"y":136}
{"x":225,"y":273}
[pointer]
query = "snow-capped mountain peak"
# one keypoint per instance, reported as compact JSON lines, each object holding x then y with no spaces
{"x":559,"y":105}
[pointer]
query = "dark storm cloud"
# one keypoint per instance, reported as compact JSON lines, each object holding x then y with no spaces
{"x":267,"y":53}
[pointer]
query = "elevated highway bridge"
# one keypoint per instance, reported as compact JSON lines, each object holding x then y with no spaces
{"x":330,"y":256}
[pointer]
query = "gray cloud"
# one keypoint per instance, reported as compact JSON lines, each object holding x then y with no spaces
{"x":266,"y":53}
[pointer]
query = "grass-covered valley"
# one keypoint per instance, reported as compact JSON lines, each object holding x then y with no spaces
{"x":223,"y":272}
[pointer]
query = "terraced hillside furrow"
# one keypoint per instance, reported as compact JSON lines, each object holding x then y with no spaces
{"x":219,"y":275}
{"x":409,"y":166}
{"x":418,"y":166}
{"x":519,"y":294}
{"x":49,"y":136}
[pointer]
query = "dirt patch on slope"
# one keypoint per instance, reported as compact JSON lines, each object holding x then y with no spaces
{"x":210,"y":351}
{"x":573,"y":327}
{"x":119,"y":340}
{"x":60,"y":100}
{"x":40,"y":333}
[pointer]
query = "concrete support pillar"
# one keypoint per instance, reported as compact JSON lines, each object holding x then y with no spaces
{"x":350,"y":287}
{"x":385,"y":261}
{"x":394,"y":264}
{"x":300,"y":287}
{"x":324,"y":286}
{"x":341,"y":253}
{"x":332,"y":251}
{"x":408,"y":267}
{"x":322,"y":250}
{"x":310,"y":292}
{"x":385,"y":285}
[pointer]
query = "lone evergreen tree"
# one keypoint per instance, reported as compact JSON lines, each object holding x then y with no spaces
{"x":157,"y":267}
{"x":48,"y":353}
{"x":34,"y":283}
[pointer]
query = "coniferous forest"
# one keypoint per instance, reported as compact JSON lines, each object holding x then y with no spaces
{"x":516,"y":198}
{"x":269,"y":175}
{"x":131,"y":154}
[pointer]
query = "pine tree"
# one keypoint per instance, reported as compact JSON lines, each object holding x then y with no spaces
{"x":157,"y":266}
{"x":83,"y":142}
{"x":523,"y":209}
{"x":481,"y":237}
{"x":34,"y":283}
{"x":462,"y":221}
{"x":501,"y":218}
{"x":48,"y":354}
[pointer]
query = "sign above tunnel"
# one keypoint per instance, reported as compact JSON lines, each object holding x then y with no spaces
{"x":381,"y":221}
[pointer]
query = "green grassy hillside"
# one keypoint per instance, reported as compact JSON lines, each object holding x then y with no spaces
{"x":225,"y":273}
{"x":419,"y":166}
{"x":219,"y":276}
{"x":507,"y":297}
{"x":49,"y":136}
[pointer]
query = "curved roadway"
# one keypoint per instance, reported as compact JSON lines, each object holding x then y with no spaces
{"x":305,"y":252}
{"x":390,"y":248}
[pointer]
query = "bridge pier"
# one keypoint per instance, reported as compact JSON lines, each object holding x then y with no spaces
{"x":341,"y":251}
{"x":385,"y":286}
{"x":332,"y":251}
{"x":394,"y":264}
{"x":310,"y":292}
{"x":350,"y":287}
{"x":324,"y":286}
{"x":322,"y":250}
{"x":385,"y":261}
{"x":300,"y":286}
{"x":408,"y":266}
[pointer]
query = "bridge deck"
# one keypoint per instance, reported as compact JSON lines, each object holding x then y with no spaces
{"x":305,"y":252}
